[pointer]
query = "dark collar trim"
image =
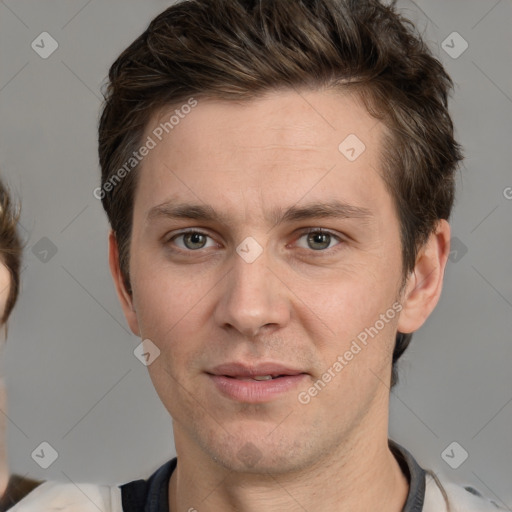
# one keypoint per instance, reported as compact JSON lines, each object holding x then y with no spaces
{"x":414,"y":473}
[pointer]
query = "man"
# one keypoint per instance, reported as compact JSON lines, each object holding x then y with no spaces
{"x":278,"y":177}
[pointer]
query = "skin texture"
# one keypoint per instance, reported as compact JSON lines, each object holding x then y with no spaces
{"x":5,"y":282}
{"x":295,"y":305}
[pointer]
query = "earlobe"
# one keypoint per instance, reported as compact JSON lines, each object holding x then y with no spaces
{"x":425,"y":283}
{"x":125,"y":298}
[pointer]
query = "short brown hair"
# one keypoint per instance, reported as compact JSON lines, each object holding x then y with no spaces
{"x":241,"y":49}
{"x":10,"y":247}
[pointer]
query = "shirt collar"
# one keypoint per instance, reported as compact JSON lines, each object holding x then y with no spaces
{"x":414,"y":474}
{"x":157,"y":497}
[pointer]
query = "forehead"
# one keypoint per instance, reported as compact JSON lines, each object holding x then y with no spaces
{"x":272,"y":150}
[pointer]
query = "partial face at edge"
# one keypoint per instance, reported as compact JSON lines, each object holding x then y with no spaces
{"x":5,"y":287}
{"x":248,"y":289}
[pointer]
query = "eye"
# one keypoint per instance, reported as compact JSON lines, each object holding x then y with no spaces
{"x":192,"y":240}
{"x":318,"y":239}
{"x":315,"y":239}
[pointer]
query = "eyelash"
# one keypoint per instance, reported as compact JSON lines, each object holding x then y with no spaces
{"x":303,"y":233}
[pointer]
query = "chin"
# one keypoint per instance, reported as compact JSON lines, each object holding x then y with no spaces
{"x":256,"y":453}
{"x":250,"y":459}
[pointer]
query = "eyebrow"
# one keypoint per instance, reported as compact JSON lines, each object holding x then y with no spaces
{"x":332,"y":209}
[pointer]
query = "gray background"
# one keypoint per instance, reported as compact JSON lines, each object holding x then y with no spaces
{"x":72,"y":378}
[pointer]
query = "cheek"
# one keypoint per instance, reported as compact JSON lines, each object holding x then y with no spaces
{"x":171,"y":306}
{"x":352,"y":323}
{"x":346,"y":300}
{"x":356,"y":359}
{"x":168,"y":309}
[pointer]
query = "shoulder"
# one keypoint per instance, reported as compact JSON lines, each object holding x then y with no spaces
{"x":462,"y":498}
{"x":69,"y":497}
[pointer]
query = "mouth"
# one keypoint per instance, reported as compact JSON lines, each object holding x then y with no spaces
{"x":257,"y":383}
{"x":256,"y":377}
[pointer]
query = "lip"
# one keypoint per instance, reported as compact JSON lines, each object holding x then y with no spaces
{"x":241,"y":370}
{"x":228,"y":380}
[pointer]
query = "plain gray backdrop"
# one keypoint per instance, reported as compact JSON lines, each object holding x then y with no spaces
{"x":72,"y":378}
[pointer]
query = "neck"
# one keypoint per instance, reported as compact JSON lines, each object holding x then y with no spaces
{"x":360,"y":474}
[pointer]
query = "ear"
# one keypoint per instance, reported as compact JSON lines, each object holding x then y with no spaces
{"x":424,"y":285}
{"x":125,"y":298}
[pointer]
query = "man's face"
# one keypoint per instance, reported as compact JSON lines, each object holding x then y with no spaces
{"x":221,"y":312}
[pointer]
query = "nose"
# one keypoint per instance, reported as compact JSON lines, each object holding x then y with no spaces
{"x":252,"y":299}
